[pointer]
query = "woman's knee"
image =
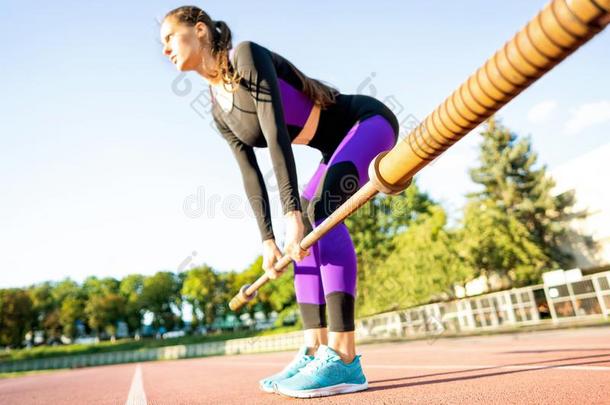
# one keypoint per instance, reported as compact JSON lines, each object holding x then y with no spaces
{"x":339,"y":184}
{"x":307,"y":217}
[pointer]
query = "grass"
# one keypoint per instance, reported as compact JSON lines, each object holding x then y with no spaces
{"x":130,"y":344}
{"x":25,"y":373}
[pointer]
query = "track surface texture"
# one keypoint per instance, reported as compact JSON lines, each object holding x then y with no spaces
{"x":547,"y":367}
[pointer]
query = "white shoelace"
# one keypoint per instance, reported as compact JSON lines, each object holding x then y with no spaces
{"x":315,"y":365}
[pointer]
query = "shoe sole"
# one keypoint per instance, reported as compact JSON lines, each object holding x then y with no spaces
{"x":322,"y":392}
{"x":269,"y":390}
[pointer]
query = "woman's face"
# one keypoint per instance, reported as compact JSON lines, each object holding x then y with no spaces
{"x":187,"y":47}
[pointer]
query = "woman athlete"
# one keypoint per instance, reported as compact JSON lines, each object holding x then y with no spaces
{"x":260,"y":99}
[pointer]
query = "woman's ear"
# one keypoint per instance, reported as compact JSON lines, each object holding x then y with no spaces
{"x":201,"y":30}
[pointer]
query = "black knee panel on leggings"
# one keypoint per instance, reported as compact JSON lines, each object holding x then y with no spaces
{"x":313,"y":315}
{"x":339,"y":183}
{"x":340,"y":311}
{"x":307,"y":221}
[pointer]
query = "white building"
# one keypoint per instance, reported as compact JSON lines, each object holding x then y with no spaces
{"x":589,"y":176}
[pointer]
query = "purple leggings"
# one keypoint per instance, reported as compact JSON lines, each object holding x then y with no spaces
{"x":331,"y":266}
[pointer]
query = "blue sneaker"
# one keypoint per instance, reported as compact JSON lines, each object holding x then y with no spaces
{"x":300,"y":360}
{"x":326,"y":375}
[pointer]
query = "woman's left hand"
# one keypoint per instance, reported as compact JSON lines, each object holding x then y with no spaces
{"x":294,"y":235}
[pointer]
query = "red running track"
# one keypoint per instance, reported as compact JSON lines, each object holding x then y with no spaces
{"x":547,"y":367}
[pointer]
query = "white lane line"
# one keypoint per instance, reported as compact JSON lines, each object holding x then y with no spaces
{"x":136,"y":396}
{"x":463,"y":367}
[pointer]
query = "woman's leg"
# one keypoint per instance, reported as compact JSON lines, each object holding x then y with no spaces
{"x":346,"y":172}
{"x":314,"y":337}
{"x":308,"y":281}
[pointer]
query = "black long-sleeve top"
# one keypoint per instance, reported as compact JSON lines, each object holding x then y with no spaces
{"x":269,"y":109}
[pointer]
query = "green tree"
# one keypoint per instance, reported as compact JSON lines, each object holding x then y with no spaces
{"x":95,"y":286}
{"x":373,"y":229}
{"x":228,"y":284}
{"x":278,"y":295}
{"x":275,"y":295}
{"x":497,"y":243}
{"x":104,"y":311}
{"x":63,"y":289}
{"x":427,"y":262}
{"x":70,"y":311}
{"x":511,"y":181}
{"x":66,"y":289}
{"x":161,"y":296}
{"x":16,"y":316}
{"x":43,"y":304}
{"x":200,"y":290}
{"x":131,"y":288}
{"x":104,"y":307}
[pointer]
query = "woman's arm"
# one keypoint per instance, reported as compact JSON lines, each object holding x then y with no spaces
{"x":252,"y":179}
{"x":254,"y":64}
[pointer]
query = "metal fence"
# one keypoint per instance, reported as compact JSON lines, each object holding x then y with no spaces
{"x":588,"y":298}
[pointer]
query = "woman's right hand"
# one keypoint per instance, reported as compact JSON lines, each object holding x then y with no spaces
{"x":271,"y":254}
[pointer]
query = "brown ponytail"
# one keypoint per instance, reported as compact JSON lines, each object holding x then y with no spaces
{"x":321,"y":94}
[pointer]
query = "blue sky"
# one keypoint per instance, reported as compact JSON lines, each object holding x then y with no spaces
{"x":105,"y":170}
